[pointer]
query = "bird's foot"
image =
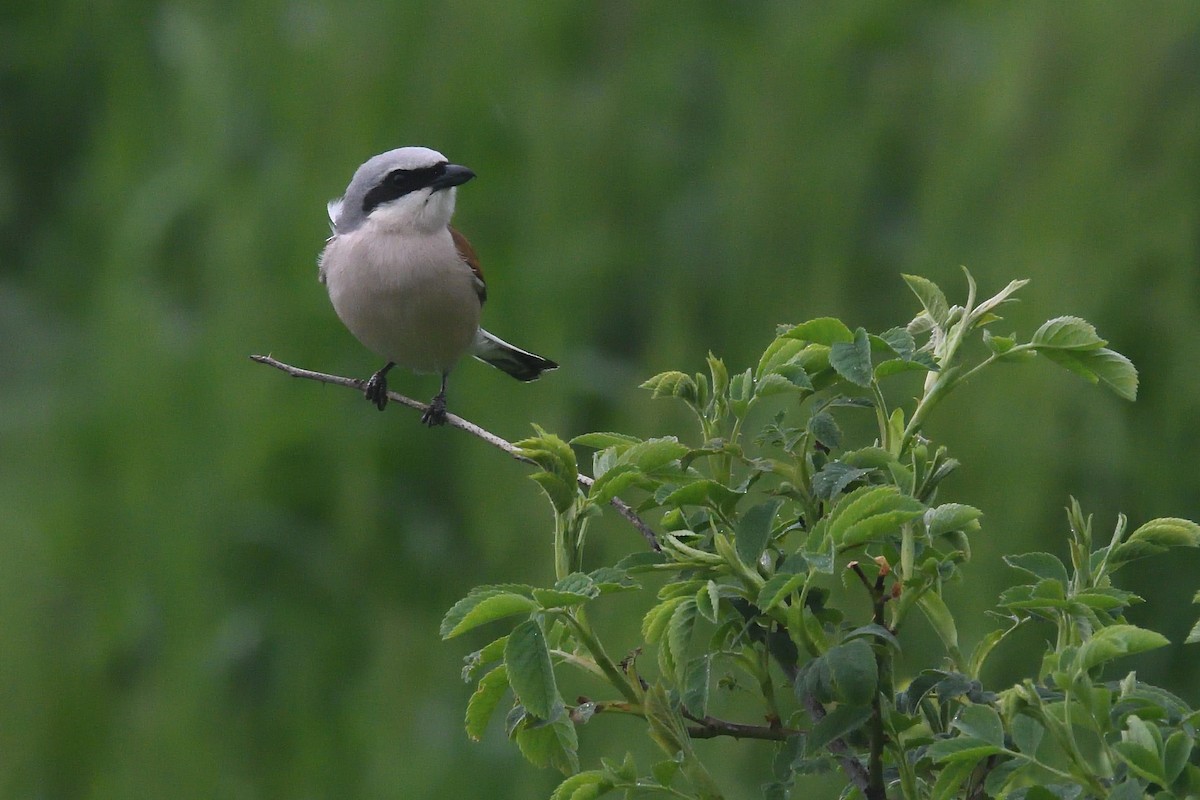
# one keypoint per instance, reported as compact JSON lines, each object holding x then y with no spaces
{"x":376,"y":389}
{"x":436,"y":413}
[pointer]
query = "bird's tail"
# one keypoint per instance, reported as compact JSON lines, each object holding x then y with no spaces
{"x":521,"y":364}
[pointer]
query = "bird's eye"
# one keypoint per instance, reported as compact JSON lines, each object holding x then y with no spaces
{"x":397,"y":177}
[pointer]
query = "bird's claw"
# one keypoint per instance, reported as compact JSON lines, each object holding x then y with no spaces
{"x":376,"y":390}
{"x":436,"y":413}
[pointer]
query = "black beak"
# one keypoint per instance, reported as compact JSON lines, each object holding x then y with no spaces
{"x":454,"y":175}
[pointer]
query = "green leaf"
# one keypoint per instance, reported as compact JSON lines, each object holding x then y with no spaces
{"x":708,"y":600}
{"x":481,"y":607}
{"x":665,"y":771}
{"x":778,"y":353}
{"x":1101,"y":365}
{"x":777,"y":588}
{"x":825,"y":429}
{"x":854,"y":671}
{"x":951,"y":778}
{"x":654,"y":623}
{"x":774,"y":383}
{"x":551,"y":745}
{"x":1067,"y":333}
{"x":695,"y":685}
{"x":1168,"y":532}
{"x":869,"y":512}
{"x":704,"y":492}
{"x":961,"y":749}
{"x":494,"y":651}
{"x":1027,"y":734}
{"x":952,"y":517}
{"x":483,"y":702}
{"x":942,"y":620}
{"x":679,"y":635}
{"x":754,"y":530}
{"x":823,"y":330}
{"x":559,"y":474}
{"x":931,"y":297}
{"x":556,"y":598}
{"x":834,"y":477}
{"x":1040,"y":565}
{"x":1176,"y":752}
{"x":655,"y":454}
{"x":603,"y":439}
{"x":616,"y":480}
{"x":852,"y":360}
{"x":982,"y":722}
{"x":672,"y":384}
{"x":836,"y":724}
{"x":583,"y":786}
{"x":1116,"y":641}
{"x":530,"y":672}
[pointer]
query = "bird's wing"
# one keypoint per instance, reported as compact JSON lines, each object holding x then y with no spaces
{"x":467,"y":254}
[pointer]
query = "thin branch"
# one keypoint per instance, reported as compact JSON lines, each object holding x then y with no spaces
{"x":850,"y":765}
{"x":710,"y":727}
{"x":706,"y":727}
{"x":456,"y":421}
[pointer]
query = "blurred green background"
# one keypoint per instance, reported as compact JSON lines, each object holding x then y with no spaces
{"x":217,"y":582}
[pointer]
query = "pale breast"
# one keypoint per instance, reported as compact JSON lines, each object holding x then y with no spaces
{"x":409,"y":298}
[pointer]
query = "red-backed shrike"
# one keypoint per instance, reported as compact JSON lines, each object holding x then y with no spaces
{"x":404,"y":282}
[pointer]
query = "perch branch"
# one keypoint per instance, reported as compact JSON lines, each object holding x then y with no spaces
{"x":464,"y":425}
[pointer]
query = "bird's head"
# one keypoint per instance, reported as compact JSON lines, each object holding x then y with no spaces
{"x":410,"y":188}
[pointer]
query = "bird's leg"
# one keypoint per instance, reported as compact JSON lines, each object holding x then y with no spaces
{"x":436,"y":413}
{"x":376,"y":389}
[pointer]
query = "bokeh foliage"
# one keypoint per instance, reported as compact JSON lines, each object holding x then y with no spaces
{"x":215,"y":582}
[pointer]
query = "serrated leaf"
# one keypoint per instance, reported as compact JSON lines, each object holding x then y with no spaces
{"x":665,"y":771}
{"x":655,"y":454}
{"x":484,"y":700}
{"x":951,"y":778}
{"x":616,"y":480}
{"x":1168,"y":532}
{"x":654,"y":623}
{"x":754,"y":530}
{"x":552,"y":745}
{"x":777,"y":588}
{"x":952,"y":517}
{"x":982,"y":722}
{"x":774,"y":383}
{"x":582,"y":786}
{"x":852,"y":360}
{"x":555,"y":598}
{"x":708,"y":599}
{"x":672,"y":384}
{"x":679,"y":635}
{"x":931,"y":297}
{"x":481,"y":607}
{"x":1040,"y":565}
{"x":961,"y":749}
{"x":1116,"y":641}
{"x":869,"y":512}
{"x":530,"y":672}
{"x":779,"y":352}
{"x":941,"y":619}
{"x":1027,"y":733}
{"x":825,"y":430}
{"x":705,"y":492}
{"x":559,"y":474}
{"x":1101,"y":365}
{"x":854,"y":671}
{"x":836,"y":724}
{"x":894,"y":366}
{"x":603,"y":439}
{"x":1067,"y":333}
{"x":694,"y":690}
{"x":482,"y":657}
{"x":823,"y":330}
{"x":834,"y":477}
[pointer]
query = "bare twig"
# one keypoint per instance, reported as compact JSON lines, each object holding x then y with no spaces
{"x":456,"y":421}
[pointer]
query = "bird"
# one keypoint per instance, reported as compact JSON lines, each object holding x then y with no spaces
{"x":405,"y":282}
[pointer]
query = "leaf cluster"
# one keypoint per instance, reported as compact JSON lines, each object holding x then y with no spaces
{"x":792,"y":559}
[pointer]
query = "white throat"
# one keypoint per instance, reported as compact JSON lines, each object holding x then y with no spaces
{"x":416,"y":212}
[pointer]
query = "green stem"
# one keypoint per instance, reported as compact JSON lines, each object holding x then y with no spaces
{"x":614,"y":675}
